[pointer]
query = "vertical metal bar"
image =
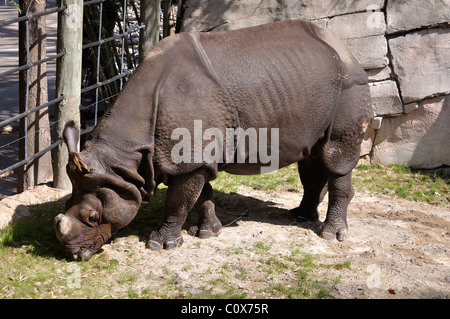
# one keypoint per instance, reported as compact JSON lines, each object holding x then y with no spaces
{"x":98,"y":63}
{"x":124,"y":28}
{"x":25,"y":119}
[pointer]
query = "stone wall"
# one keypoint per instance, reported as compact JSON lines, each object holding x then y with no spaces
{"x":404,"y":46}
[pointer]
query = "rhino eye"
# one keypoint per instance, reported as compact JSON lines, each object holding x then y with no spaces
{"x":93,"y":216}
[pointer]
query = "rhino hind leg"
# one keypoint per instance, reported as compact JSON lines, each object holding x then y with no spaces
{"x":182,"y":194}
{"x":317,"y":180}
{"x":340,"y":194}
{"x":209,"y":225}
{"x":314,"y":178}
{"x":340,"y":154}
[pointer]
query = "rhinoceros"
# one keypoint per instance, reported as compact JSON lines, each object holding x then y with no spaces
{"x":290,"y":78}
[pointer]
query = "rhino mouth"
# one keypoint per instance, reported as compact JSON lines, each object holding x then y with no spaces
{"x":86,"y":245}
{"x":81,"y":255}
{"x":75,"y":252}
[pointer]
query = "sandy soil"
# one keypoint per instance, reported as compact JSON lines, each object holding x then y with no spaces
{"x":396,"y":249}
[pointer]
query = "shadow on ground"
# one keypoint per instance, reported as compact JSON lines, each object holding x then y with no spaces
{"x":38,"y":231}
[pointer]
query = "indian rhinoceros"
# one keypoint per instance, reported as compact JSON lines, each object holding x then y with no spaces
{"x":292,"y":78}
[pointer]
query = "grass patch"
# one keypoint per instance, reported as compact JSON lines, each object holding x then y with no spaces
{"x":32,"y":264}
{"x":403,"y":182}
{"x":393,"y":180}
{"x":297,"y":275}
{"x":294,"y":275}
{"x":261,"y":248}
{"x":286,"y":179}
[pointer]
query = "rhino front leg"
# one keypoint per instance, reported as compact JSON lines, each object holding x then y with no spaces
{"x":340,"y":194}
{"x":209,"y":225}
{"x":182,"y":193}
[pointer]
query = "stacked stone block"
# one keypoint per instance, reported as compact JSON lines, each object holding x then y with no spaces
{"x":404,"y":46}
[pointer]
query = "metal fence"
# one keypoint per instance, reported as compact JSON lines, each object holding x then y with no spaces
{"x":125,"y":39}
{"x":99,"y":88}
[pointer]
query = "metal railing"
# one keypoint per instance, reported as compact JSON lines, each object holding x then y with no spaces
{"x":122,"y":39}
{"x":26,"y":18}
{"x":119,"y":39}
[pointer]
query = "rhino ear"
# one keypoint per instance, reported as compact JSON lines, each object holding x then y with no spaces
{"x":71,"y":136}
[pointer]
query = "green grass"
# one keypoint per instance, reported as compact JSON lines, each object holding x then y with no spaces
{"x":307,"y":279}
{"x":393,"y":180}
{"x":286,"y":179}
{"x":403,"y":182}
{"x":32,"y":264}
{"x":295,"y":275}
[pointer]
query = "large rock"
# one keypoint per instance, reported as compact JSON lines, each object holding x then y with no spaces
{"x":202,"y":15}
{"x":18,"y":206}
{"x":367,"y":143}
{"x":385,"y":98}
{"x":418,"y":139}
{"x":363,"y":34}
{"x":379,"y":74}
{"x":314,"y":9}
{"x":370,"y":52}
{"x":358,"y":25}
{"x":403,"y":15}
{"x":421,"y":61}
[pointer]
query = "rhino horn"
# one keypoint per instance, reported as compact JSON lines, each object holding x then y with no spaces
{"x":63,"y":225}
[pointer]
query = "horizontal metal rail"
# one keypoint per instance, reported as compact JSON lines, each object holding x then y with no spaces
{"x":29,"y":159}
{"x":115,"y":37}
{"x":28,"y":112}
{"x":114,"y":78}
{"x":31,"y":64}
{"x":87,"y":130}
{"x":93,"y":2}
{"x":31,"y":16}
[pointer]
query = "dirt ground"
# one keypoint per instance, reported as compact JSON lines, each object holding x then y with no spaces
{"x":396,"y":248}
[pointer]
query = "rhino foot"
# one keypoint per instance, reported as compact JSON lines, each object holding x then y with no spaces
{"x":203,"y":233}
{"x":154,"y":243}
{"x":331,"y":233}
{"x":303,"y":215}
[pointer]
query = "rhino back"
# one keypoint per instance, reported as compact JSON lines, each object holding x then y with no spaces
{"x":280,"y":75}
{"x":273,"y":67}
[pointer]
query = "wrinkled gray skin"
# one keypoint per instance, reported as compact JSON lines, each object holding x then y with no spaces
{"x":291,"y":75}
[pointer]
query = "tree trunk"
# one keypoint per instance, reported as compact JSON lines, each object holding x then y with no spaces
{"x":36,"y":137}
{"x":68,"y":83}
{"x":150,"y":11}
{"x":167,"y":27}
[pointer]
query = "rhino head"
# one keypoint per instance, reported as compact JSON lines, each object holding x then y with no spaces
{"x":100,"y":205}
